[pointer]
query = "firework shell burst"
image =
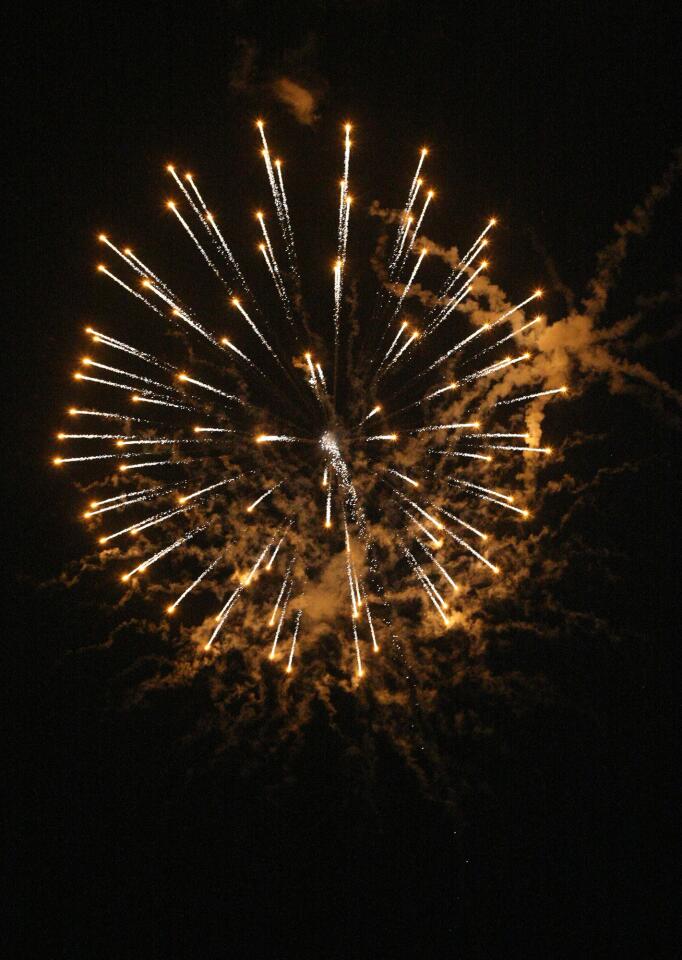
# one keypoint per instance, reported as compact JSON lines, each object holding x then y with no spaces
{"x":343,"y":467}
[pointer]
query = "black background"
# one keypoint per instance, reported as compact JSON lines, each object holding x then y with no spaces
{"x":131,"y":837}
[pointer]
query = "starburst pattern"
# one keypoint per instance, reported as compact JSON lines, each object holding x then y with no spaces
{"x":249,"y":453}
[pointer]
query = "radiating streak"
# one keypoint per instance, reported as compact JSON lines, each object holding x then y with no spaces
{"x":445,"y":426}
{"x":475,"y":486}
{"x":112,"y":276}
{"x":470,"y":255}
{"x":255,"y":567}
{"x":132,"y":261}
{"x":337,"y":307}
{"x":262,"y":497}
{"x":213,"y":486}
{"x":281,"y":621}
{"x":344,"y":233}
{"x":459,"y":453}
{"x":409,"y":283}
{"x":434,"y":540}
{"x":428,"y":586}
{"x":160,"y":403}
{"x":148,"y":463}
{"x":188,"y":590}
{"x":99,"y":456}
{"x":273,"y":260}
{"x":277,"y":438}
{"x":143,"y":524}
{"x":279,"y":197}
{"x":503,"y":503}
{"x":171,"y":169}
{"x":472,"y":550}
{"x":427,"y":201}
{"x":442,"y":603}
{"x":328,"y":518}
{"x":514,"y":333}
{"x":115,"y":344}
{"x":342,"y":198}
{"x":463,"y":264}
{"x":287,"y":228}
{"x":423,"y":512}
{"x":495,"y":367}
{"x":518,"y":306}
{"x":142,"y":496}
{"x":107,"y":383}
{"x":275,"y":552}
{"x":400,"y":352}
{"x":124,"y":256}
{"x":457,"y":346}
{"x":358,"y":659}
{"x":91,"y":436}
{"x":372,"y":413}
{"x":463,"y":523}
{"x":358,"y":598}
{"x":429,"y":396}
{"x":226,"y":249}
{"x":293,"y":640}
{"x":313,"y":376}
{"x":228,"y":343}
{"x":126,"y":373}
{"x":177,"y":312}
{"x":172,"y":206}
{"x":190,"y":180}
{"x":499,"y":446}
{"x":99,"y":413}
{"x":236,"y":303}
{"x":268,"y":163}
{"x":375,"y":645}
{"x":404,"y":225}
{"x":408,"y":224}
{"x":162,"y":553}
{"x":440,"y":567}
{"x":402,"y":476}
{"x":382,"y":436}
{"x":456,"y":299}
{"x":530,"y":396}
{"x":207,"y":386}
{"x":403,"y":327}
{"x":351,"y":585}
{"x":273,"y":273}
{"x":213,"y":430}
{"x":281,"y":594}
{"x":121,"y":496}
{"x":230,"y":601}
{"x":223,"y":615}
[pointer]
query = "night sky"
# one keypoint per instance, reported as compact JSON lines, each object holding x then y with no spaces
{"x":505,"y":788}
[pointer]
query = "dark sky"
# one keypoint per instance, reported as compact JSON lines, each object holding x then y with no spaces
{"x":539,"y":818}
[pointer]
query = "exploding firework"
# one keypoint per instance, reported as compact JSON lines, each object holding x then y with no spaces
{"x":247,"y":454}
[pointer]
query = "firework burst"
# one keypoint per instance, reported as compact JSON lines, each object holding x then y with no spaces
{"x":246,"y":453}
